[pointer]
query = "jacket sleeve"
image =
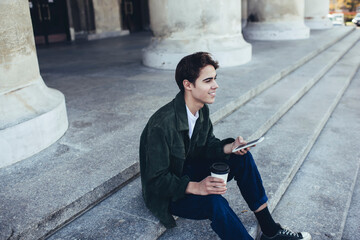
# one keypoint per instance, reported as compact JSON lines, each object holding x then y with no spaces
{"x":214,"y":148}
{"x":159,"y":178}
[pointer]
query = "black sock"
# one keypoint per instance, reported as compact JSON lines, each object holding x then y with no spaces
{"x":267,"y":223}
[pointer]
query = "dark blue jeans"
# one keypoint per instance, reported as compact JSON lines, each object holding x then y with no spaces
{"x":215,"y":207}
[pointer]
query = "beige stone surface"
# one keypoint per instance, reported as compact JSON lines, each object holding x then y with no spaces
{"x":316,"y":14}
{"x":277,"y":10}
{"x":107,"y":15}
{"x":181,"y":28}
{"x":276,"y":20}
{"x":16,"y":46}
{"x":244,"y":12}
{"x":318,"y":8}
{"x":174,"y":19}
{"x":32,"y":116}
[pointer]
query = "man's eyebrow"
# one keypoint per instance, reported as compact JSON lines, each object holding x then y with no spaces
{"x":210,"y":78}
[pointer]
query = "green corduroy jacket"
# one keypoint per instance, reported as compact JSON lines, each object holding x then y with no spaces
{"x":164,"y":148}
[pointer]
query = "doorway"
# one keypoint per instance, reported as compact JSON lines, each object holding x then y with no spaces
{"x":50,"y":21}
{"x":135,"y":15}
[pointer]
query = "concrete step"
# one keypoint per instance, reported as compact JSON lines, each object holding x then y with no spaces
{"x":121,"y":216}
{"x":352,"y":224}
{"x":99,"y":153}
{"x":257,"y":116}
{"x":191,"y":229}
{"x":298,"y":130}
{"x":240,"y":84}
{"x":319,"y":197}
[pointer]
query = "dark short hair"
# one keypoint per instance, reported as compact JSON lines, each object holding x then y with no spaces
{"x":190,"y":66}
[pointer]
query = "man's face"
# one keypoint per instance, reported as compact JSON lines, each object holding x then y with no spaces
{"x":204,"y":89}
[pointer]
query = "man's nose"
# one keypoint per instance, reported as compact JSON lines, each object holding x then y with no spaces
{"x":215,"y":85}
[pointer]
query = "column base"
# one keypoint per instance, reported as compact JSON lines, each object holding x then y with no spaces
{"x":166,"y":53}
{"x":34,"y":118}
{"x":318,"y":23}
{"x":276,"y":31}
{"x":103,"y":35}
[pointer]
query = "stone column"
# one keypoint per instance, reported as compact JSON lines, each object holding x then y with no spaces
{"x":184,"y":27}
{"x":276,"y":20}
{"x":32,"y":116}
{"x":244,"y":13}
{"x":107,"y":19}
{"x":316,"y":14}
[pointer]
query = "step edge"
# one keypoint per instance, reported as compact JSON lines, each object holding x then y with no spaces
{"x":283,"y":109}
{"x":218,"y":116}
{"x":321,"y":125}
{"x":58,"y":219}
{"x":252,"y":93}
{"x":275,"y":199}
{"x":255,"y":230}
{"x":301,"y":92}
{"x":348,"y":203}
{"x":307,"y":87}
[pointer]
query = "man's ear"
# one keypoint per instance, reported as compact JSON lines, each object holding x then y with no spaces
{"x":187,"y":84}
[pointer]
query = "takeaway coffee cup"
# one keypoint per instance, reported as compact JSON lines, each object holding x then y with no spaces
{"x":220,"y":170}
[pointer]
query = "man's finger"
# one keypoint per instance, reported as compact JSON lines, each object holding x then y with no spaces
{"x":221,"y":191}
{"x":220,"y":185}
{"x":216,"y":180}
{"x":217,"y":190}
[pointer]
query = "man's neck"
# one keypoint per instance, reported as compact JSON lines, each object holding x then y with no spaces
{"x":191,"y":104}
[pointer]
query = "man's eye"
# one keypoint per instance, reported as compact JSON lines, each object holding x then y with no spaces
{"x":208,"y":80}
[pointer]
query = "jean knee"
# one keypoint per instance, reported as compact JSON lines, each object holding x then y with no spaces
{"x":241,"y":160}
{"x":218,"y":204}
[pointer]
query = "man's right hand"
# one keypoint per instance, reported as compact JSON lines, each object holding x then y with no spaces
{"x":209,"y":185}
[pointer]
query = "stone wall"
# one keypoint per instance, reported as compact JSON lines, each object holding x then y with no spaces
{"x":107,"y":15}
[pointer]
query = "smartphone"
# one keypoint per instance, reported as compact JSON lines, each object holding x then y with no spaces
{"x":249,"y":144}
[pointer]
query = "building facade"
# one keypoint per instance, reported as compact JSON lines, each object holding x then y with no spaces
{"x":71,"y":20}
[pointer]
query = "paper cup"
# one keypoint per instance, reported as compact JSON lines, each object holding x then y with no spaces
{"x":220,"y":170}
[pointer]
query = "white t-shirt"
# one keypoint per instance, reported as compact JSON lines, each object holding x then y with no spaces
{"x":191,"y":120}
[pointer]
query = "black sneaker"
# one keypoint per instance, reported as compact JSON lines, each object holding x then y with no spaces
{"x":287,"y":234}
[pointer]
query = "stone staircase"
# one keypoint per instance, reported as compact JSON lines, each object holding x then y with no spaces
{"x":287,"y":93}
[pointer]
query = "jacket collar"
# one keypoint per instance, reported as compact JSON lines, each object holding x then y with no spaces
{"x":181,"y":115}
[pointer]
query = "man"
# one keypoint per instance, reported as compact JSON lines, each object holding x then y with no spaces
{"x":177,"y":148}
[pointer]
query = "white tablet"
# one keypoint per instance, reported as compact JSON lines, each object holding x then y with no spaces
{"x":249,"y":144}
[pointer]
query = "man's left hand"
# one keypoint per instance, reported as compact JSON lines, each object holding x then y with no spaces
{"x":231,"y":146}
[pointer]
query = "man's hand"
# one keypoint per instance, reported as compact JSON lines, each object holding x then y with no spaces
{"x":238,"y":141}
{"x":209,"y":185}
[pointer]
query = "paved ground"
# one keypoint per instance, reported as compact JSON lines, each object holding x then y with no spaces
{"x":109,"y":97}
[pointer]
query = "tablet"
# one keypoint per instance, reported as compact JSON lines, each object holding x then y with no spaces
{"x":249,"y":144}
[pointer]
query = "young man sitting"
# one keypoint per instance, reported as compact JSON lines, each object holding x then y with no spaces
{"x":177,"y":148}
